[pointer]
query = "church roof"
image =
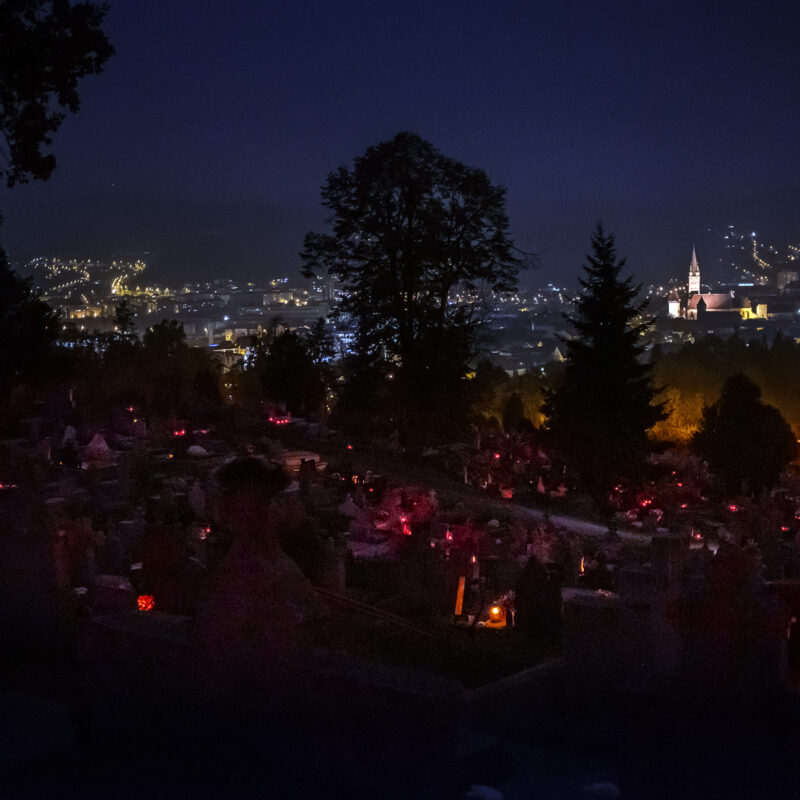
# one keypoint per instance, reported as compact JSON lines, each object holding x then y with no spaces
{"x":719,"y":302}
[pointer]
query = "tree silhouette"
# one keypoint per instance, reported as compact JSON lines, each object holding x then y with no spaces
{"x":123,"y":318}
{"x":46,"y":47}
{"x":28,"y":327}
{"x":165,"y":338}
{"x":599,"y":416}
{"x":695,"y":375}
{"x":746,"y":443}
{"x":513,"y":413}
{"x":319,"y":343}
{"x":289,"y":374}
{"x":172,"y":378}
{"x":410,"y":226}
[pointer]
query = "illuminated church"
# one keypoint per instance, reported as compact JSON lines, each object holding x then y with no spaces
{"x":698,"y":304}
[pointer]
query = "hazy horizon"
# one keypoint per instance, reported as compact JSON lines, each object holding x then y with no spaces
{"x":185,"y":239}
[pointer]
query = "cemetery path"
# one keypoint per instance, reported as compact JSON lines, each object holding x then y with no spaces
{"x":399,"y":470}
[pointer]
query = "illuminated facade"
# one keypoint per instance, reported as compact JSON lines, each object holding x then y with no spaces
{"x":697,"y":304}
{"x":674,"y":304}
{"x":721,"y":302}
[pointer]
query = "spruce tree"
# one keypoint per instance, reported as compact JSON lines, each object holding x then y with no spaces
{"x":599,"y":416}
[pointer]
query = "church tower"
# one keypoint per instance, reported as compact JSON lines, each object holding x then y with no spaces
{"x":694,"y":275}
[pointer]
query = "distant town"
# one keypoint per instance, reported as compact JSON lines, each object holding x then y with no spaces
{"x":759,"y":296}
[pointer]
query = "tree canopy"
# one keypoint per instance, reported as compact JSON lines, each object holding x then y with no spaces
{"x":599,"y":416}
{"x":746,"y":443}
{"x":289,"y":372}
{"x":696,"y":373}
{"x":166,"y":338}
{"x":409,"y":227}
{"x":124,"y":318}
{"x":46,"y":47}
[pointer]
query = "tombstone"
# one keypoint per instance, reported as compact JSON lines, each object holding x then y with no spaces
{"x":97,"y":452}
{"x":332,"y":570}
{"x":197,"y":499}
{"x":44,"y":449}
{"x":669,"y":553}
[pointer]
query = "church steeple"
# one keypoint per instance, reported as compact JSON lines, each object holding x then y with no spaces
{"x":694,"y":275}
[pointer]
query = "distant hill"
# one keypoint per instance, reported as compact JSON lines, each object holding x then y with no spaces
{"x":656,"y":237}
{"x":188,"y":239}
{"x":179,"y":240}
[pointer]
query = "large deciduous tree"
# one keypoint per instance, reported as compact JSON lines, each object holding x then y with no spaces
{"x":746,"y":443}
{"x":409,"y":227}
{"x":599,"y":416}
{"x":46,"y":47}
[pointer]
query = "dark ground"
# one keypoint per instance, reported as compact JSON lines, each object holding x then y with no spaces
{"x":528,"y":739}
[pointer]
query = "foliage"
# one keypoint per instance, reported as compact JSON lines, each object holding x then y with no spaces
{"x":491,"y":390}
{"x":488,"y":384}
{"x":28,"y":328}
{"x":177,"y":378}
{"x":288,"y":367}
{"x":746,"y":443}
{"x":166,"y":338}
{"x":123,"y":317}
{"x":526,"y":415}
{"x":682,"y":416}
{"x":513,"y":413}
{"x":410,"y":226}
{"x":363,"y":399}
{"x":599,"y":416}
{"x":289,"y":374}
{"x":319,"y":343}
{"x":162,"y":376}
{"x":695,"y":375}
{"x":246,"y":390}
{"x":46,"y":46}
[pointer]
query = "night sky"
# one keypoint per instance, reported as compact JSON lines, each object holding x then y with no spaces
{"x":207,"y":138}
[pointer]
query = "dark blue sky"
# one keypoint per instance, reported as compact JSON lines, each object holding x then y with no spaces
{"x":209,"y":134}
